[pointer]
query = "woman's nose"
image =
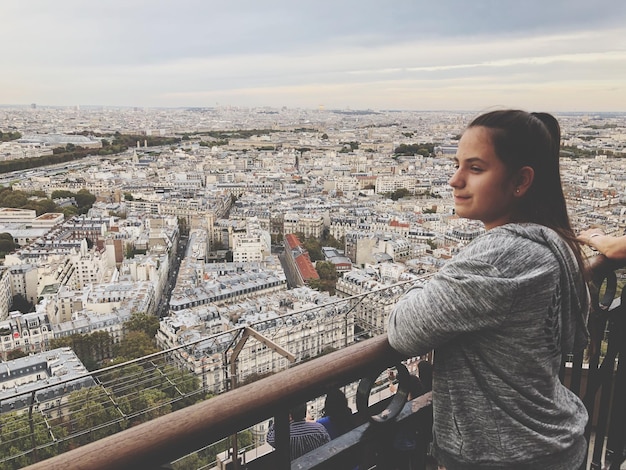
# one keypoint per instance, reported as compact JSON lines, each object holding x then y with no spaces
{"x":455,"y":179}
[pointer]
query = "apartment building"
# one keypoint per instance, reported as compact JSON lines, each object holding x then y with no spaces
{"x":27,"y":374}
{"x":28,"y":332}
{"x":310,"y":225}
{"x":254,"y":245}
{"x":6,"y":293}
{"x":24,"y":281}
{"x":291,"y":319}
{"x":363,"y":246}
{"x":372,"y":314}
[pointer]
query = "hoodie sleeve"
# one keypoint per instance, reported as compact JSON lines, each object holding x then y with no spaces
{"x":465,"y":296}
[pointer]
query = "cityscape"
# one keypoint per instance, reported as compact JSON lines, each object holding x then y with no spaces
{"x":209,"y":210}
{"x":171,"y":231}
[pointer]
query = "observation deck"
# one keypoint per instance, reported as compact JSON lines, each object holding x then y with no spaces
{"x":117,"y":425}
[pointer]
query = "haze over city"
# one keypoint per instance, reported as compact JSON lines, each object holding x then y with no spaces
{"x":452,"y":55}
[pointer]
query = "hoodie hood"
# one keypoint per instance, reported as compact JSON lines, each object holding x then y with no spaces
{"x":574,"y":291}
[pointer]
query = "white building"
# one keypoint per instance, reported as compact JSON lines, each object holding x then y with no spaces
{"x":29,"y":332}
{"x":6,"y":294}
{"x":24,"y":281}
{"x":254,"y":245}
{"x":311,"y":225}
{"x":290,"y":319}
{"x":27,"y":374}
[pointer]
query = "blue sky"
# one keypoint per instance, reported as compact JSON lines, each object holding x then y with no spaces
{"x":552,"y":55}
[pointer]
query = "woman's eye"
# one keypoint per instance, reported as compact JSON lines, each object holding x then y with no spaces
{"x":476,"y":169}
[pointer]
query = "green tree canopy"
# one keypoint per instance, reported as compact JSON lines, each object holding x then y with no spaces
{"x":8,"y":136}
{"x":425,"y":149}
{"x":328,"y":240}
{"x":91,"y":348}
{"x":135,"y":344}
{"x":19,"y":435}
{"x":61,"y":194}
{"x":84,"y":200}
{"x":398,"y":194}
{"x":91,"y":409}
{"x":326,"y":270}
{"x":144,"y":322}
{"x":313,"y":246}
{"x":7,"y":245}
{"x":15,"y":354}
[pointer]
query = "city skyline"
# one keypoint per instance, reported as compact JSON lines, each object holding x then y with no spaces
{"x":552,"y":56}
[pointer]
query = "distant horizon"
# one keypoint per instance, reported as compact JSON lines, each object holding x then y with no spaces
{"x":279,"y":107}
{"x":551,"y":56}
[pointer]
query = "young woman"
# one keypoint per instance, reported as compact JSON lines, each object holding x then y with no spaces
{"x":503,"y":313}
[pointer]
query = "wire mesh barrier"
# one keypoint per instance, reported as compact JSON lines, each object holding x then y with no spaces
{"x":161,"y":419}
{"x":50,"y":419}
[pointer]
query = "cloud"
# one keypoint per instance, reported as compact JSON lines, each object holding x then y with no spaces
{"x":349,"y":53}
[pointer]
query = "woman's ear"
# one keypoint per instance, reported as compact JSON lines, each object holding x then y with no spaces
{"x":524,"y":180}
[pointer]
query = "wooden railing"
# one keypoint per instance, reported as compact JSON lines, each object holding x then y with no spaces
{"x":151,"y":445}
{"x":164,"y":439}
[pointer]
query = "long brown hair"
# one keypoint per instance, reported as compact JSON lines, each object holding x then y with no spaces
{"x":523,"y":139}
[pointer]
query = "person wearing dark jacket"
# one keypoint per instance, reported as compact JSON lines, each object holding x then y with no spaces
{"x":338,"y":418}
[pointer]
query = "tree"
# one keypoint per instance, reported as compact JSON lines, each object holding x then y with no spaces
{"x":329,"y":240}
{"x":15,"y":354}
{"x":149,"y":404}
{"x":425,"y":149}
{"x":91,"y":409}
{"x":399,"y":194}
{"x":69,"y":211}
{"x":61,"y":194}
{"x":13,"y":199}
{"x":135,"y":344}
{"x":101,"y":346}
{"x":143,"y":322}
{"x":43,"y":206}
{"x":130,"y":251}
{"x":176,"y":381}
{"x":314,"y":247}
{"x":132,"y":375}
{"x":7,"y":136}
{"x":90,"y":348}
{"x":84,"y":200}
{"x":326,"y":270}
{"x":189,"y":462}
{"x":7,"y":245}
{"x":16,"y":438}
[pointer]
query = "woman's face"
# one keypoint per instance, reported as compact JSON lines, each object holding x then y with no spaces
{"x":483,"y":188}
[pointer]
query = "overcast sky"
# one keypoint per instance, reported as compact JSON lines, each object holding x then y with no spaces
{"x":552,"y":55}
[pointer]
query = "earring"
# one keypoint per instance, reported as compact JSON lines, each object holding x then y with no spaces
{"x":517,"y":191}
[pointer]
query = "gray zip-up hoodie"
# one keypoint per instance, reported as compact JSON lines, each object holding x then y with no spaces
{"x":501,"y":315}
